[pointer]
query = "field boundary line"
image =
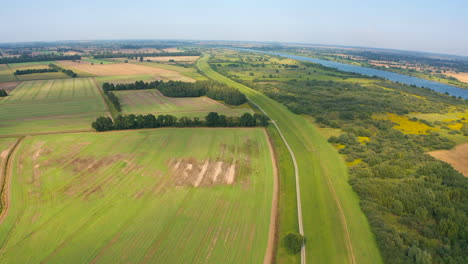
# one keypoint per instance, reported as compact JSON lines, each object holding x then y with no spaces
{"x":272,"y":234}
{"x":5,"y":189}
{"x":296,"y":174}
{"x":296,"y":168}
{"x":12,"y":73}
{"x":103,"y":99}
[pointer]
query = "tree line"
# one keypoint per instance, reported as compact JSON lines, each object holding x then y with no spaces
{"x":67,"y":72}
{"x":3,"y":93}
{"x":211,"y":89}
{"x":159,"y":54}
{"x":213,"y":119}
{"x":40,"y":57}
{"x":30,"y":71}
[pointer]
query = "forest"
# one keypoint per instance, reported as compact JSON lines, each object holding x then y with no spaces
{"x":150,"y":121}
{"x":211,"y":89}
{"x":41,"y":57}
{"x":416,"y":205}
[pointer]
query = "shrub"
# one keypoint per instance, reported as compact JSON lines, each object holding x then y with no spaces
{"x":293,"y":242}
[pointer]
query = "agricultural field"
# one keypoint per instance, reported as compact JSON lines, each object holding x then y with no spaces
{"x":8,"y":86}
{"x":167,"y":195}
{"x":6,"y":75}
{"x":53,"y":105}
{"x":153,"y":102}
{"x":187,"y":70}
{"x":35,"y":76}
{"x":457,"y":157}
{"x":189,"y":59}
{"x":123,"y":69}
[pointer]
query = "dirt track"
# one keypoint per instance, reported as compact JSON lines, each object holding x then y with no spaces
{"x":5,"y":189}
{"x":270,"y":251}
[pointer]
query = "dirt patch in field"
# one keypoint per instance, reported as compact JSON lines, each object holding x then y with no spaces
{"x":191,"y":172}
{"x":121,"y":69}
{"x":9,"y":86}
{"x":457,"y":157}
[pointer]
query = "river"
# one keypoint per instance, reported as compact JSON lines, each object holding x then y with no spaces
{"x":396,"y":77}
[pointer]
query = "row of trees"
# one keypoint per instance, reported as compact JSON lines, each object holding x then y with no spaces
{"x":159,"y":54}
{"x":114,"y":100}
{"x":211,"y":89}
{"x":150,"y":121}
{"x":3,"y":93}
{"x":67,"y":72}
{"x":40,"y":57}
{"x":30,"y":71}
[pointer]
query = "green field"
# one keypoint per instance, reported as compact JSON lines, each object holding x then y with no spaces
{"x":98,"y":61}
{"x":6,"y":75}
{"x":152,"y":101}
{"x":89,"y":198}
{"x":125,"y":78}
{"x":329,"y":205}
{"x":54,"y":105}
{"x":27,"y":77}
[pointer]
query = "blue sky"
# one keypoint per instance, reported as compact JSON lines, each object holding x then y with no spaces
{"x":435,"y":26}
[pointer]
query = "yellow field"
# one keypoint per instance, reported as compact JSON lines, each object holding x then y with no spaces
{"x":405,"y":125}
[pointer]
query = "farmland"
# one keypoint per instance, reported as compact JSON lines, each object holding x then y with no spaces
{"x":122,"y":69}
{"x":152,"y":101}
{"x":53,"y":105}
{"x":6,"y":75}
{"x":166,"y":195}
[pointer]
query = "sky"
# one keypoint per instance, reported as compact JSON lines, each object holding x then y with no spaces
{"x":418,"y":25}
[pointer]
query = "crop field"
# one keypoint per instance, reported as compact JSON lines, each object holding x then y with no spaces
{"x":125,"y":79}
{"x":123,"y":69}
{"x":457,"y":157}
{"x":174,"y":58}
{"x":190,"y":72}
{"x":35,"y":76}
{"x":152,"y":101}
{"x":165,"y":196}
{"x":6,"y":75}
{"x":9,"y":86}
{"x":53,"y":105}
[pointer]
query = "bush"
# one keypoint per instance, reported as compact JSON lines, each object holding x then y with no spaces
{"x":293,"y":242}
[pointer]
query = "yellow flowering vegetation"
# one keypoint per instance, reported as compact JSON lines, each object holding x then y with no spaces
{"x":405,"y":125}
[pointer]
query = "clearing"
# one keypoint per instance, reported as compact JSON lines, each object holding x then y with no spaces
{"x":53,"y":105}
{"x":166,"y":195}
{"x":153,"y":102}
{"x":457,"y":157}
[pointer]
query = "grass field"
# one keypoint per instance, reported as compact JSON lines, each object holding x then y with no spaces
{"x":54,"y":105}
{"x":6,"y":75}
{"x":336,"y":229}
{"x":34,"y":76}
{"x":165,"y":196}
{"x":152,"y":101}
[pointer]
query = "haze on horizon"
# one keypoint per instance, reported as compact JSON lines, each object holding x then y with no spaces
{"x":418,"y":25}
